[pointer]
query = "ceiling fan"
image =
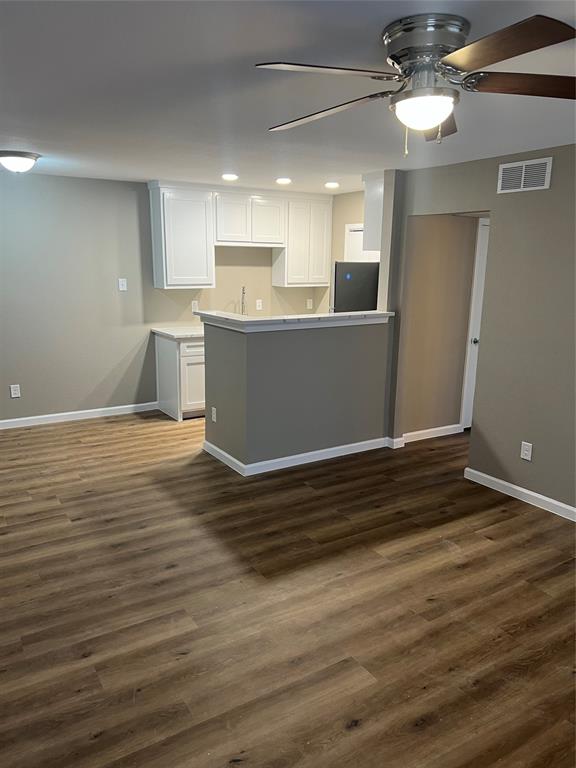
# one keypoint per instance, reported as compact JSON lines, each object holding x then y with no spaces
{"x":428,"y":54}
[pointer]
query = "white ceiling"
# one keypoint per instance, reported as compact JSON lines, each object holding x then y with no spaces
{"x":143,"y":90}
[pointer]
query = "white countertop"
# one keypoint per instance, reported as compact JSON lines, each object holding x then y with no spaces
{"x":180,"y":332}
{"x":256,"y":323}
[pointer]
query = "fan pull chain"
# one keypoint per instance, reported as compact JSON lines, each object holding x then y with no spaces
{"x":406,"y":142}
{"x":439,"y":136}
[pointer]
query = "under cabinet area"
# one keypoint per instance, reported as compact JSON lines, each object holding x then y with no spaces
{"x":180,"y":367}
{"x":188,"y":222}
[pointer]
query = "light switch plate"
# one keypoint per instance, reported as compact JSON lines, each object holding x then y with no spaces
{"x":309,"y":304}
{"x":213,"y":414}
{"x":258,"y":304}
{"x":122,"y":284}
{"x":526,"y":451}
{"x":194,"y":306}
{"x":14,"y":390}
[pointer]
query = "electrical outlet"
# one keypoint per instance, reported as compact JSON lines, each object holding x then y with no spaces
{"x":309,"y":304}
{"x":194,"y":306}
{"x":526,"y":451}
{"x":258,"y":304}
{"x":122,"y":284}
{"x":14,"y":390}
{"x":213,"y":414}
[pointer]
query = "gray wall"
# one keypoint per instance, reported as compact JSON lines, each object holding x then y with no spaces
{"x":300,"y":390}
{"x":67,"y":336}
{"x":436,"y":307}
{"x":525,"y":387}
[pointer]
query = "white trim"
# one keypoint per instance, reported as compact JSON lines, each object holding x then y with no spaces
{"x":530,"y":497}
{"x":257,"y":467}
{"x":92,"y":413}
{"x":397,"y":442}
{"x":425,"y":434}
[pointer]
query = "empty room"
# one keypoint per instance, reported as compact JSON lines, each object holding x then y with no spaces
{"x":287,"y":383}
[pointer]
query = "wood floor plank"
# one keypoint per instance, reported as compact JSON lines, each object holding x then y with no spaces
{"x":159,"y":611}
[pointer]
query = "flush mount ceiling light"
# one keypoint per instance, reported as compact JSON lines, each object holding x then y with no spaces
{"x":18,"y":162}
{"x":283,"y":180}
{"x":230,"y":177}
{"x":424,"y":108}
{"x":331,"y":185}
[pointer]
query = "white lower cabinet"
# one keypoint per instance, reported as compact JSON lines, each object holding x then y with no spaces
{"x":306,"y":258}
{"x":180,"y":376}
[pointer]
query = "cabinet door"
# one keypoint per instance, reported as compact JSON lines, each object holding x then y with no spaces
{"x":188,"y":238}
{"x":298,"y":246}
{"x":268,"y":220}
{"x":192,"y":392}
{"x":233,"y":218}
{"x":320,"y":234}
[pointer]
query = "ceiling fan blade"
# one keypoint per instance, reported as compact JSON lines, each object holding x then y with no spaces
{"x":523,"y":84}
{"x":448,"y":128}
{"x":318,"y":69}
{"x":331,"y":111}
{"x":525,"y":36}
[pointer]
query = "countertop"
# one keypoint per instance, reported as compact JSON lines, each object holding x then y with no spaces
{"x":256,"y":323}
{"x":180,"y":332}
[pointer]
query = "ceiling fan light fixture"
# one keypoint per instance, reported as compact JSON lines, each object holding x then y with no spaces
{"x":424,"y":108}
{"x":18,"y":162}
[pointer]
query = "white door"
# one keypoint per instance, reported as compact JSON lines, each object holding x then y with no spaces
{"x":233,"y":218}
{"x":473,"y":343}
{"x":320,"y":233}
{"x":298,"y":246}
{"x":189,"y":243}
{"x":268,"y":220}
{"x":192,"y":383}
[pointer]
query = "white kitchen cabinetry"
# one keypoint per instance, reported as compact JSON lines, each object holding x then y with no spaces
{"x":180,"y":373}
{"x":250,"y":219}
{"x":233,"y":218}
{"x":306,"y":258}
{"x":268,"y":220}
{"x":182,"y":237}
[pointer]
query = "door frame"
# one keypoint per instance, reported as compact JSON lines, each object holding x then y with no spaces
{"x":476,"y":300}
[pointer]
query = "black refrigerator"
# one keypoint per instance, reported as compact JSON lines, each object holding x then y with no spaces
{"x":355,"y":285}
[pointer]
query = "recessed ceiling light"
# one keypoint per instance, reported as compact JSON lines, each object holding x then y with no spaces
{"x":331,"y":185}
{"x":283,"y":180}
{"x":230,"y":177}
{"x":18,"y":162}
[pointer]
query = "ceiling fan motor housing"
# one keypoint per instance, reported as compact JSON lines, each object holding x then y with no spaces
{"x":419,"y":42}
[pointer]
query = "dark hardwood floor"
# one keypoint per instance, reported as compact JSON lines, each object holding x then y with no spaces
{"x":375,"y":611}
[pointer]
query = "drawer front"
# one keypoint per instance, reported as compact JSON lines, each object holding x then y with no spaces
{"x":192,"y":348}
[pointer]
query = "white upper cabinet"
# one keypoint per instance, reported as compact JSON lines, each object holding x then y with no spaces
{"x":268,"y":220}
{"x":306,"y":258}
{"x":320,"y":237}
{"x":233,"y":218}
{"x":298,"y":246}
{"x":250,"y":219}
{"x":182,"y":238}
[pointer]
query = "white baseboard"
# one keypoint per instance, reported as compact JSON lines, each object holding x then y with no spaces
{"x":425,"y":434}
{"x":531,"y":497}
{"x":258,"y":467}
{"x":92,"y":413}
{"x":397,"y":442}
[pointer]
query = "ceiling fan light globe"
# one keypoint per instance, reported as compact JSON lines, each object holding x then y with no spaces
{"x":421,"y":113}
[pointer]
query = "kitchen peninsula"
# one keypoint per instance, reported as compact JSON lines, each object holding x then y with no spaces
{"x":292,"y":389}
